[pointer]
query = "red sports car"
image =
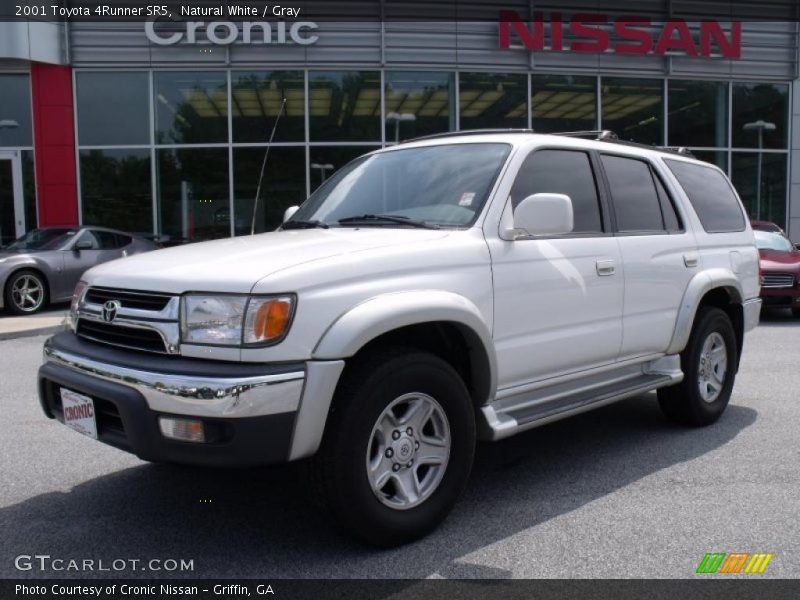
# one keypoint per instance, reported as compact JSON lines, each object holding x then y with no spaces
{"x":780,"y":270}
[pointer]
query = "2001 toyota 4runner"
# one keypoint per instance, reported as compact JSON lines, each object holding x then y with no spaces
{"x":465,"y":286}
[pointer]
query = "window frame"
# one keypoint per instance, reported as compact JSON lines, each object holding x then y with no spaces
{"x":606,"y":216}
{"x":653,"y":174}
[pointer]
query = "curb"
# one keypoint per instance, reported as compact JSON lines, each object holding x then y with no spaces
{"x":24,"y":333}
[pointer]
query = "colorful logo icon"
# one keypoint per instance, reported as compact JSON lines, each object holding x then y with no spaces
{"x":734,"y":562}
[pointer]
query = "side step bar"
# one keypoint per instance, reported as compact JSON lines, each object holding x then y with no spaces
{"x":527,"y":412}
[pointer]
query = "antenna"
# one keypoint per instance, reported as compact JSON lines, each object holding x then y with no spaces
{"x":264,"y":166}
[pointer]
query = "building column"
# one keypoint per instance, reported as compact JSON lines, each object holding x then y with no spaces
{"x":54,"y":144}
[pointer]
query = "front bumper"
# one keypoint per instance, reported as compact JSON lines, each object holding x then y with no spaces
{"x":250,"y":410}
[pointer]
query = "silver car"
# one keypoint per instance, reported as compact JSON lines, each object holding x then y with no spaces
{"x":45,"y":264}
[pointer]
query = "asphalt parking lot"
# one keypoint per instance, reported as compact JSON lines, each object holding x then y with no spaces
{"x":618,"y":492}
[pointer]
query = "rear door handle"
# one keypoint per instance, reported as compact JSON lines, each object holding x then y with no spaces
{"x":690,"y":259}
{"x":605,"y":267}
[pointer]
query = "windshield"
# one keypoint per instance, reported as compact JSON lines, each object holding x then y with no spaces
{"x":768,"y":240}
{"x":42,"y":239}
{"x":443,"y":185}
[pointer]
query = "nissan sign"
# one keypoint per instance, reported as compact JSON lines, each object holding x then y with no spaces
{"x":633,"y":35}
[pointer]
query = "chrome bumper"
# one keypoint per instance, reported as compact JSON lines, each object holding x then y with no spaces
{"x":196,"y":396}
{"x":751,"y":310}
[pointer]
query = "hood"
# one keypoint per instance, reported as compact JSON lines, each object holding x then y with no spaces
{"x":236,"y":264}
{"x":772,"y":259}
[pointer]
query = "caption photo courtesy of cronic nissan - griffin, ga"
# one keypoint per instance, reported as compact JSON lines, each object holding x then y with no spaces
{"x":397,"y":291}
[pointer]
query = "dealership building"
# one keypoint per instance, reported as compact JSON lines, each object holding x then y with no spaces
{"x":162,"y":126}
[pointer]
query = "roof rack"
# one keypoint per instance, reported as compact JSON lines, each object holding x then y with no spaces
{"x":466,"y":132}
{"x":599,"y":135}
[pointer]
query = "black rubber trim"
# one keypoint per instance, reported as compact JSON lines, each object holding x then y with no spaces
{"x":241,"y":442}
{"x":67,"y":341}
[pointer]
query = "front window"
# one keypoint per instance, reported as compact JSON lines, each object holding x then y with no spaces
{"x":768,"y":240}
{"x":444,"y":185}
{"x":42,"y":239}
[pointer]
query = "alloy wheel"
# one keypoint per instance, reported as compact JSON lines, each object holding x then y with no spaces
{"x":408,"y":451}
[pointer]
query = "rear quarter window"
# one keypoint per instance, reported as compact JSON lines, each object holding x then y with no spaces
{"x":711,"y":196}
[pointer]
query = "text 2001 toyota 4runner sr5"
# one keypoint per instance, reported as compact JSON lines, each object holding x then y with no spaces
{"x":466,"y":286}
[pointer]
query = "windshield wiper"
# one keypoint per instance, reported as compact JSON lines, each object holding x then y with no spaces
{"x":305,"y":225}
{"x":368,"y":219}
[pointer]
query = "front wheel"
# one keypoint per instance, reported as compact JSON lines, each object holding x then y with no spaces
{"x":709,"y":368}
{"x":26,"y":292}
{"x":398,"y":447}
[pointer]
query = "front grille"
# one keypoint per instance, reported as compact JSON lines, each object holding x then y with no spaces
{"x":777,"y":280}
{"x":124,"y":337}
{"x":128,"y":299}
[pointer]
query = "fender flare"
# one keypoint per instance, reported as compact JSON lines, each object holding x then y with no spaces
{"x":702,"y":283}
{"x":381,"y":314}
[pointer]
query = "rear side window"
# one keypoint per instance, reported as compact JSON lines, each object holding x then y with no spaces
{"x":562,"y":172}
{"x":122,"y":240}
{"x":711,"y":195}
{"x":633,"y":193}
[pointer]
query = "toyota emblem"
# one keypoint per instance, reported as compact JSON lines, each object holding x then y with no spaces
{"x":110,"y":309}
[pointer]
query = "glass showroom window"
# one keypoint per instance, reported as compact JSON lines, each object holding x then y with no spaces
{"x":563,"y":103}
{"x":760,"y":115}
{"x":418,"y":103}
{"x":766,"y":201}
{"x":115,"y":188}
{"x":344,"y":106}
{"x":489,"y":100}
{"x":634,"y":108}
{"x":193,"y":195}
{"x":284,"y":185}
{"x":191,"y":107}
{"x":697,"y":113}
{"x":256,"y":102}
{"x":113,"y":108}
{"x":326,"y":160}
{"x":15,"y":110}
{"x":715,"y":157}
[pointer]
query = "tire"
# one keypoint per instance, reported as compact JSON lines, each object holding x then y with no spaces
{"x":30,"y":302}
{"x":709,"y":366}
{"x":360,"y":431}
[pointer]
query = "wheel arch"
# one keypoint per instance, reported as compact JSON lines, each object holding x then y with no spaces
{"x":715,"y":287}
{"x":443,"y":323}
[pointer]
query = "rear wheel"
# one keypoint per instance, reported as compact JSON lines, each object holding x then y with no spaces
{"x":708,"y":364}
{"x":398,"y":447}
{"x":26,"y":292}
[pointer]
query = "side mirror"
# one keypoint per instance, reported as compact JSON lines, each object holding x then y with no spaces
{"x":289,"y":212}
{"x":543,"y":214}
{"x":82,"y":245}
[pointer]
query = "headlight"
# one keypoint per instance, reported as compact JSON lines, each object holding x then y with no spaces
{"x":231,"y":320}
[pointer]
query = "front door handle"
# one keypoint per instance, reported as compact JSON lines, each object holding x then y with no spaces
{"x":605,"y":267}
{"x":690,"y":259}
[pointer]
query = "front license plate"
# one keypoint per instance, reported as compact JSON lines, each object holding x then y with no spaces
{"x":79,"y":412}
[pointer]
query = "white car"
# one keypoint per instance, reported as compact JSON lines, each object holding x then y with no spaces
{"x":459,"y":287}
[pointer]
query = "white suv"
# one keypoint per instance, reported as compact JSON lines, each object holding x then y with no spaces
{"x":459,"y":287}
